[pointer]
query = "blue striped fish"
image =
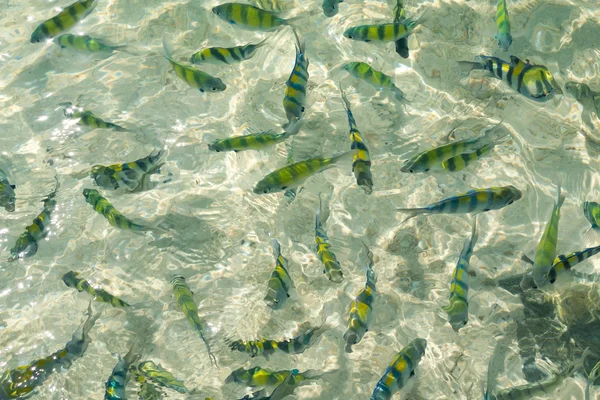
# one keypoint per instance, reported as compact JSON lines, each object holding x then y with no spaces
{"x":333,"y":270}
{"x":458,"y":309}
{"x":117,"y":381}
{"x":400,"y":370}
{"x":280,"y":281}
{"x":295,"y":87}
{"x":503,"y":22}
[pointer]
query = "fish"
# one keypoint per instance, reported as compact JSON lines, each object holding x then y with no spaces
{"x":148,"y":391}
{"x":293,"y":175}
{"x":535,"y":82}
{"x":27,"y":243}
{"x":546,"y":250}
{"x":286,"y":387}
{"x":267,"y":347}
{"x":503,"y":22}
{"x":402,"y":43}
{"x":157,"y":374}
{"x":226,"y":55}
{"x":461,"y":161}
{"x":249,"y":17}
{"x":185,"y":299}
{"x":584,"y":95}
{"x":117,"y":381}
{"x":458,"y":309}
{"x":114,"y":217}
{"x":591,"y":211}
{"x":262,"y":347}
{"x":377,"y":79}
{"x":133,"y":176}
{"x":361,"y":308}
{"x":7,"y":193}
{"x":331,"y":7}
{"x":194,"y":77}
{"x":63,"y":21}
{"x":476,"y":200}
{"x":428,"y":159}
{"x":400,"y":370}
{"x":361,"y":163}
{"x":333,"y":270}
{"x":294,"y":97}
{"x":19,"y":382}
{"x":258,"y":376}
{"x":72,"y":280}
{"x":389,"y":32}
{"x":255,"y":141}
{"x":84,"y":43}
{"x":280,"y":281}
{"x":89,"y":119}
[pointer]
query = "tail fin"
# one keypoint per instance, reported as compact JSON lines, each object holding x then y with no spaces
{"x":561,"y":197}
{"x":412,"y":24}
{"x":413,"y":212}
{"x":167,"y":49}
{"x":300,"y":45}
{"x":293,"y":127}
{"x":276,"y":248}
{"x":468,"y":66}
{"x":492,"y":136}
{"x":592,"y":237}
{"x":342,"y":156}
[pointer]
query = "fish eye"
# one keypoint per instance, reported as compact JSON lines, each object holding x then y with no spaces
{"x":411,"y":170}
{"x":266,"y":191}
{"x":284,"y":187}
{"x":202,"y":90}
{"x":511,"y":201}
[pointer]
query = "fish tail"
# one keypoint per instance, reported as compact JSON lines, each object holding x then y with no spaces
{"x":561,"y":197}
{"x":167,"y":49}
{"x":300,"y":45}
{"x":468,"y":66}
{"x":293,"y":127}
{"x":344,"y":99}
{"x":592,"y":237}
{"x":399,"y":94}
{"x":276,"y":248}
{"x":340,"y":157}
{"x":413,"y":212}
{"x":527,"y":282}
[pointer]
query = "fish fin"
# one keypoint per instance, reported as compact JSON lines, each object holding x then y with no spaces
{"x":276,"y":247}
{"x":167,"y":50}
{"x":514,"y":60}
{"x":468,"y":66}
{"x":262,"y":43}
{"x":412,"y":211}
{"x":527,"y":259}
{"x":300,"y":45}
{"x":340,"y":157}
{"x":561,"y":197}
{"x":592,"y":237}
{"x":292,"y":21}
{"x":13,"y":186}
{"x":399,"y":95}
{"x":293,"y":127}
{"x":527,"y":282}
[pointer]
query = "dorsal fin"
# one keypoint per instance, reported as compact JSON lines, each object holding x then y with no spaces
{"x":514,"y":60}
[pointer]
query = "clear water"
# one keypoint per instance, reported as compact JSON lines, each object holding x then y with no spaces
{"x":219,"y":230}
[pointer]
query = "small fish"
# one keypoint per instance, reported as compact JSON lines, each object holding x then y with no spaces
{"x":293,"y":175}
{"x":249,"y":17}
{"x":114,"y":217}
{"x":428,"y":159}
{"x":591,"y":211}
{"x":461,"y":161}
{"x":402,"y":43}
{"x":226,"y":55}
{"x":158,"y":375}
{"x":64,"y":20}
{"x":301,"y":342}
{"x":72,"y":280}
{"x":263,"y":347}
{"x":7,"y":193}
{"x":266,"y":347}
{"x":258,"y":376}
{"x":476,"y":200}
{"x":533,"y":81}
{"x":503,"y":37}
{"x":254,"y":141}
{"x":19,"y":382}
{"x":194,"y":77}
{"x":117,"y":381}
{"x":133,"y":176}
{"x":333,"y":270}
{"x":331,"y":7}
{"x":84,"y":43}
{"x":389,"y":32}
{"x":185,"y":299}
{"x":589,"y":99}
{"x":280,"y":281}
{"x":286,"y":387}
{"x":375,"y":78}
{"x":401,"y":369}
{"x":458,"y":309}
{"x":295,"y":87}
{"x":546,"y":250}
{"x":361,"y":308}
{"x":27,"y":243}
{"x":361,"y":163}
{"x":87,"y":118}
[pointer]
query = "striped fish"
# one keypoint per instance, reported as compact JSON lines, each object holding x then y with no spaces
{"x":89,"y":119}
{"x":301,"y":342}
{"x":476,"y":200}
{"x":375,"y":78}
{"x":461,"y":161}
{"x":266,"y":347}
{"x":400,"y":370}
{"x":133,"y":176}
{"x":7,"y":193}
{"x":533,"y":81}
{"x":249,"y":17}
{"x":293,"y":175}
{"x":546,"y":250}
{"x":185,"y":300}
{"x":361,"y":163}
{"x":64,"y":20}
{"x":85,"y":43}
{"x":263,"y":347}
{"x":27,"y":243}
{"x":255,"y":141}
{"x":591,"y":210}
{"x":19,"y":382}
{"x":295,"y":87}
{"x":148,"y":370}
{"x":194,"y":77}
{"x":389,"y":32}
{"x":333,"y":270}
{"x":431,"y":158}
{"x":258,"y":376}
{"x":458,"y":309}
{"x":226,"y":55}
{"x":117,"y":381}
{"x":361,"y":309}
{"x":113,"y":216}
{"x":402,"y":43}
{"x":503,"y":22}
{"x":331,"y":7}
{"x":72,"y":280}
{"x":589,"y":99}
{"x":280,"y":281}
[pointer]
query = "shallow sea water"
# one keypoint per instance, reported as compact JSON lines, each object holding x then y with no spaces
{"x":218,"y":235}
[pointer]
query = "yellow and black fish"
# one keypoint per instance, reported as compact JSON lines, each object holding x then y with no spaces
{"x":7,"y":193}
{"x":266,"y":347}
{"x":333,"y":270}
{"x":116,"y":383}
{"x":258,"y":376}
{"x":148,"y":370}
{"x":389,"y":32}
{"x":134,"y":176}
{"x":255,"y":141}
{"x":64,"y":20}
{"x":280,"y":281}
{"x":375,"y":78}
{"x":114,"y":217}
{"x":533,"y":81}
{"x":503,"y":37}
{"x":85,"y":43}
{"x":226,"y":55}
{"x":294,"y":98}
{"x":87,"y":118}
{"x":72,"y":280}
{"x":402,"y":43}
{"x":249,"y":17}
{"x":461,"y":161}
